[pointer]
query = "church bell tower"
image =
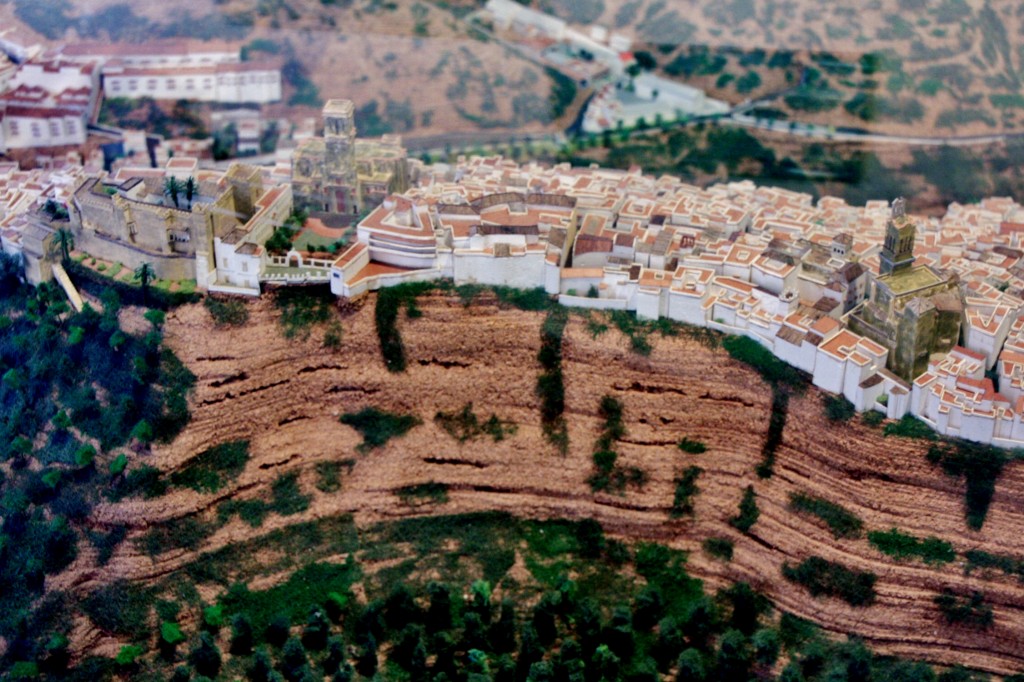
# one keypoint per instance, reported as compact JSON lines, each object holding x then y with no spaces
{"x":898,"y":250}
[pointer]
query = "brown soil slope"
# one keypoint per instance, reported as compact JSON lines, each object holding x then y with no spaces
{"x":286,"y":396}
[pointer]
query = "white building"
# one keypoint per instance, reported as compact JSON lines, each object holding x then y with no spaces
{"x":51,"y":103}
{"x":183,"y":69}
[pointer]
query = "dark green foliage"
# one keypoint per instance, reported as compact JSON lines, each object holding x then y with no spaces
{"x":329,"y":474}
{"x":931,"y":550}
{"x":843,"y":524}
{"x":550,"y":382}
{"x":432,"y":492}
{"x":227,"y":312}
{"x":211,"y":469}
{"x":241,"y":635}
{"x":464,"y":425}
{"x":281,"y":241}
{"x":748,"y":511}
{"x":720,"y":548}
{"x":686,"y":489}
{"x":563,"y":92}
{"x":523,"y":299}
{"x":607,"y":475}
{"x":253,"y":512}
{"x":822,"y":577}
{"x":694,"y":447}
{"x":120,"y":608}
{"x":971,"y":611}
{"x":980,"y":465}
{"x":286,"y":495}
{"x":377,"y":426}
{"x":909,"y":427}
{"x":186,"y":533}
{"x":1009,"y":565}
{"x":106,"y":543}
{"x":776,"y":427}
{"x":293,"y":599}
{"x":205,"y":656}
{"x":838,"y":408}
{"x":389,"y":302}
{"x":770,"y":368}
{"x":873,"y":417}
{"x":302,"y":308}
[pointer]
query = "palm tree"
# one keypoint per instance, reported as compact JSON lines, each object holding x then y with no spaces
{"x":63,"y":243}
{"x":172,"y":188}
{"x":190,"y":190}
{"x":145,"y":274}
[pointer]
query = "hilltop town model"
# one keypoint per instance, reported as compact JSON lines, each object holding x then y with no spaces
{"x":898,"y":314}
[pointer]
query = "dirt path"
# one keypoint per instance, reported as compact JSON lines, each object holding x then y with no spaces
{"x":286,"y":396}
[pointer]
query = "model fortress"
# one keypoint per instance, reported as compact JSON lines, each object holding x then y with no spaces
{"x":897,"y":314}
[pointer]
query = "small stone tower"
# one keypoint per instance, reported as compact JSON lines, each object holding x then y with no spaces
{"x":898,"y":250}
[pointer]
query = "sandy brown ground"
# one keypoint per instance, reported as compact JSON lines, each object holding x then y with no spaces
{"x":286,"y":396}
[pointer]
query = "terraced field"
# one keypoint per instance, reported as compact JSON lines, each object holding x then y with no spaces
{"x":285,"y":397}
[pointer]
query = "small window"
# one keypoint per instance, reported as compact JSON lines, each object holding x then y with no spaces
{"x":245,"y":266}
{"x":36,"y":132}
{"x":115,"y":86}
{"x":133,"y":84}
{"x":170,"y":84}
{"x":151,"y":84}
{"x":190,"y":84}
{"x":55,"y":128}
{"x":14,"y":128}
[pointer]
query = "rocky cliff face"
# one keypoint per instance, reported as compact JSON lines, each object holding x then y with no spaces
{"x":286,"y":397}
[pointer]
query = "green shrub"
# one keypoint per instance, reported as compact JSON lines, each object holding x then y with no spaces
{"x":694,"y":447}
{"x":748,"y":511}
{"x":227,"y":312}
{"x":873,"y":417}
{"x":186,"y":533}
{"x":844,"y":524}
{"x":1009,"y":565}
{"x":378,"y":427}
{"x":118,"y":464}
{"x":286,"y":495}
{"x":720,"y":548}
{"x":253,"y":512}
{"x":758,"y":357}
{"x":464,"y":425}
{"x":329,"y":475}
{"x":120,"y":608}
{"x":302,"y":308}
{"x":389,"y":302}
{"x":171,"y":634}
{"x":550,"y":387}
{"x":211,"y":469}
{"x":686,"y":489}
{"x":971,"y":611}
{"x":292,"y":599}
{"x":128,"y":654}
{"x":822,"y":577}
{"x":436,"y":493}
{"x":838,"y":408}
{"x":909,"y":427}
{"x":903,"y":546}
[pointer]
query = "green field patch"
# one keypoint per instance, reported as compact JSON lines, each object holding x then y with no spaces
{"x":378,"y":427}
{"x":900,"y":545}
{"x":212,"y":469}
{"x":842,"y":523}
